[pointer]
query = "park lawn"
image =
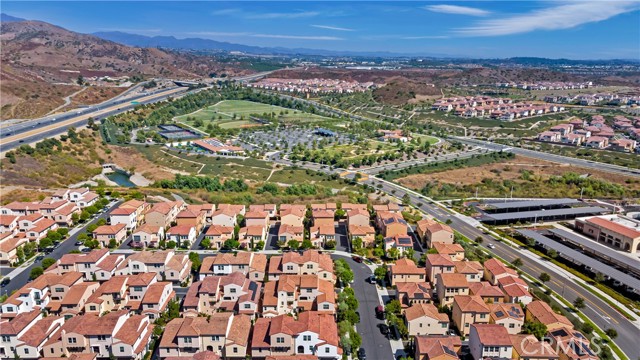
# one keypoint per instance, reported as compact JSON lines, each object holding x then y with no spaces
{"x":432,"y":140}
{"x":249,"y":169}
{"x":223,"y":113}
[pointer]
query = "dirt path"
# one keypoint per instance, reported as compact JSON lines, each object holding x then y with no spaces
{"x":67,"y":101}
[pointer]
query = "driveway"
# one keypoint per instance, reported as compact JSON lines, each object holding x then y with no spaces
{"x":376,"y":345}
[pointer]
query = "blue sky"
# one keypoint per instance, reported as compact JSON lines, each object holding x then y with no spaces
{"x":568,"y":29}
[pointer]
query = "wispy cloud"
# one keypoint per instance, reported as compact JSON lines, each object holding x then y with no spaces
{"x":297,"y":37}
{"x":458,"y":10}
{"x":284,"y":15}
{"x":566,"y":16}
{"x":336,"y":28}
{"x":424,"y":37}
{"x":226,"y":11}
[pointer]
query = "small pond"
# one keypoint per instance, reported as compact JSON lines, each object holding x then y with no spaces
{"x":120,"y":178}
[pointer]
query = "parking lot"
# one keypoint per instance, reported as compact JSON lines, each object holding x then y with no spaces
{"x":285,"y":139}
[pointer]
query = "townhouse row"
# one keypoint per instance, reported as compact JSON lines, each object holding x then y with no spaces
{"x":621,"y":136}
{"x":24,"y":222}
{"x":104,"y":304}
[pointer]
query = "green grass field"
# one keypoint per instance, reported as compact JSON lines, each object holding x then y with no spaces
{"x":230,"y":114}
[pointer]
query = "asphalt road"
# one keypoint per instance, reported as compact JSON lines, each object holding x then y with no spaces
{"x":60,"y":125}
{"x":615,"y":169}
{"x":376,"y":345}
{"x":597,"y":310}
{"x":65,"y":247}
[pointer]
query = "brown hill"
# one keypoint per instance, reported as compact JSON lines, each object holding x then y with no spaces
{"x":40,"y":61}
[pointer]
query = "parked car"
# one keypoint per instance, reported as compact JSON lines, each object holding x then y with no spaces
{"x":86,"y":250}
{"x":78,"y":243}
{"x":372,"y":279}
{"x":384,"y":329}
{"x":361,"y":354}
{"x":357,"y":259}
{"x":5,"y":282}
{"x":380,"y":314}
{"x":39,"y":257}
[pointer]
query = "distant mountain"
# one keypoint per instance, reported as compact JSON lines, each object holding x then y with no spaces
{"x":37,"y":57}
{"x":8,"y":18}
{"x":200,"y":44}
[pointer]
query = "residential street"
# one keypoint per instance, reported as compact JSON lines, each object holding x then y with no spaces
{"x":20,"y":276}
{"x":376,"y":345}
{"x":601,"y":313}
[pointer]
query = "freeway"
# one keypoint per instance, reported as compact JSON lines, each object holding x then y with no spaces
{"x":603,"y":315}
{"x":615,"y":169}
{"x":61,"y":124}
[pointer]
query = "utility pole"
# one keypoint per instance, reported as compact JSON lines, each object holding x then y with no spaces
{"x":512,"y":191}
{"x":581,"y":191}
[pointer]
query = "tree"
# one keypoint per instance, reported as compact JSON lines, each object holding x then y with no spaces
{"x":380,"y":273}
{"x":537,"y":329}
{"x":113,"y":243}
{"x":552,"y":253}
{"x":448,"y":222}
{"x":356,"y":243}
{"x":343,"y":271}
{"x":330,"y":244}
{"x":393,"y":253}
{"x":195,"y":261}
{"x":91,"y":228}
{"x":479,"y":239}
{"x":612,"y":333}
{"x":35,"y":272}
{"x":578,"y":303}
{"x":393,"y":307}
{"x":306,"y":244}
{"x":46,"y":262}
{"x":80,"y":80}
{"x":544,"y":277}
{"x":45,"y":243}
{"x":231,"y":244}
{"x":294,"y":244}
{"x":171,"y":244}
{"x":205,"y":243}
{"x":587,"y":328}
{"x":517,"y":262}
{"x":406,"y":200}
{"x":173,"y":309}
{"x":378,"y":252}
{"x":63,"y":231}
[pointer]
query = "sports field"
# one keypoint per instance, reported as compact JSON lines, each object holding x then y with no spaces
{"x":230,"y":114}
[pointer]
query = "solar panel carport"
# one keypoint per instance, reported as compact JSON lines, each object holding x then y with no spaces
{"x":528,"y":205}
{"x":580,"y":258}
{"x":542,"y":215}
{"x":601,"y":251}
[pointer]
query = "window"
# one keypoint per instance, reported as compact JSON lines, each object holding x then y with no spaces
{"x":121,"y":349}
{"x":306,"y":337}
{"x":280,"y":340}
{"x":102,"y":337}
{"x":482,"y":316}
{"x":92,"y":308}
{"x":235,"y":350}
{"x":232,"y":290}
{"x":241,"y":267}
{"x":326,"y":350}
{"x":136,"y":267}
{"x":325,"y":306}
{"x":215,"y":338}
{"x":5,"y":338}
{"x":87,"y":266}
{"x":290,"y":267}
{"x":220,"y":267}
{"x":187,"y":340}
{"x":72,"y":341}
{"x":26,"y":350}
{"x":511,"y":326}
{"x":247,"y":306}
{"x":309,"y":266}
{"x":59,"y":289}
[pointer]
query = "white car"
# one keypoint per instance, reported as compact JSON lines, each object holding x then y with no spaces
{"x":491,"y":246}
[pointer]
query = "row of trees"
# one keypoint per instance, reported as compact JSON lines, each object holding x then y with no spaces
{"x":202,"y":182}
